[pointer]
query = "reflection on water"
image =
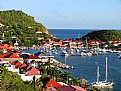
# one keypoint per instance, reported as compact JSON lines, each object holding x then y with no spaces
{"x":107,"y":89}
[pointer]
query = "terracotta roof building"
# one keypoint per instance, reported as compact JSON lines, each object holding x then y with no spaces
{"x":18,"y":64}
{"x":50,"y":82}
{"x":32,"y":72}
{"x":14,"y":55}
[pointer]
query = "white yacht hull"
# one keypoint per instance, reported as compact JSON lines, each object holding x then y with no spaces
{"x":102,"y":84}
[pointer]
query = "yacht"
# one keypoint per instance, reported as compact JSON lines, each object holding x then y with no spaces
{"x":105,"y":83}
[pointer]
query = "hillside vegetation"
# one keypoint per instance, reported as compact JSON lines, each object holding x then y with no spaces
{"x":105,"y":35}
{"x":16,"y":18}
{"x":23,"y":26}
{"x":12,"y":82}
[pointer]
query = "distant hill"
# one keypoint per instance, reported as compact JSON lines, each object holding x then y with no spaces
{"x":105,"y":35}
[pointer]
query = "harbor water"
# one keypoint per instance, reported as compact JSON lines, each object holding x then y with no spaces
{"x":85,"y":66}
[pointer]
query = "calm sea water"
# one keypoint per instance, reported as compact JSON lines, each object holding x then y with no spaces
{"x":85,"y":66}
{"x":69,"y":33}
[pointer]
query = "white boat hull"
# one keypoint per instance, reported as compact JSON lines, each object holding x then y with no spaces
{"x":102,"y":84}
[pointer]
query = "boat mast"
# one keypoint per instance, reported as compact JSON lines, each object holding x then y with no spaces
{"x":98,"y":74}
{"x":86,"y":44}
{"x":106,"y":70}
{"x":78,"y":35}
{"x":65,"y":60}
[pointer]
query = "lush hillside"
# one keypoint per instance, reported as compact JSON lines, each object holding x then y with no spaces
{"x":106,"y":35}
{"x":22,"y":26}
{"x":19,"y":19}
{"x":12,"y":82}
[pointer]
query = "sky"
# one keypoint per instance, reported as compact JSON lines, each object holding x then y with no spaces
{"x":79,"y":14}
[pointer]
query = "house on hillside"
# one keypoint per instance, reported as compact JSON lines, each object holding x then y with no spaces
{"x":30,"y":73}
{"x":14,"y":55}
{"x":94,"y":43}
{"x":38,"y":31}
{"x":32,"y":57}
{"x":48,"y":82}
{"x":115,"y":43}
{"x":5,"y":47}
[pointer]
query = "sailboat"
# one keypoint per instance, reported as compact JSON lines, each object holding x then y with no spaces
{"x":105,"y":83}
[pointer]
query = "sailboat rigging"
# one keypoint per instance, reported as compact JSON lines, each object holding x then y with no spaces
{"x":102,"y":83}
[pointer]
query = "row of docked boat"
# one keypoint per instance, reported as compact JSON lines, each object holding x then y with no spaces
{"x":66,"y":51}
{"x":81,"y":51}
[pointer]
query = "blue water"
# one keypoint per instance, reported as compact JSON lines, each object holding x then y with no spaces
{"x":69,"y":33}
{"x":85,"y":66}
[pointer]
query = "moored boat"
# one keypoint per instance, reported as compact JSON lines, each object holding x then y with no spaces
{"x":105,"y":83}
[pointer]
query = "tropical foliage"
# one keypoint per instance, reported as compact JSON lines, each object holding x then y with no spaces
{"x":16,"y":25}
{"x":12,"y":82}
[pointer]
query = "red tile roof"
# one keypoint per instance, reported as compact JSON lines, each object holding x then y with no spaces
{"x":33,"y":57}
{"x":115,"y":42}
{"x":14,"y":55}
{"x":38,"y":30}
{"x":28,"y":67}
{"x":74,"y":40}
{"x":2,"y":55}
{"x":66,"y":88}
{"x":23,"y":65}
{"x":32,"y":72}
{"x":5,"y":46}
{"x":50,"y":82}
{"x":46,"y":43}
{"x":56,"y":43}
{"x":95,"y":41}
{"x":18,"y":64}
